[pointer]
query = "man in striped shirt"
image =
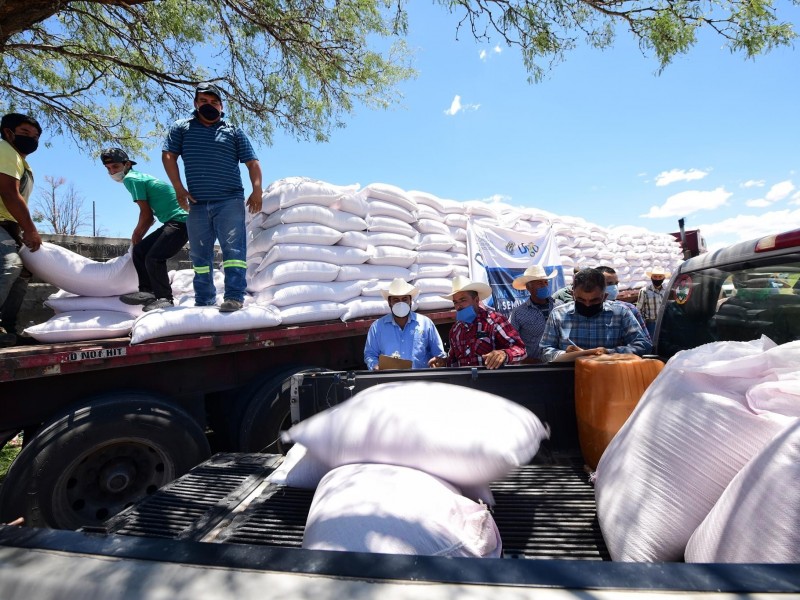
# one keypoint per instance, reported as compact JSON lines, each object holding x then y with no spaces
{"x":530,"y":317}
{"x":212,"y":149}
{"x":480,"y":336}
{"x":592,"y":323}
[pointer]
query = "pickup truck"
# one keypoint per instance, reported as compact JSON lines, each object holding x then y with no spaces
{"x":738,"y":293}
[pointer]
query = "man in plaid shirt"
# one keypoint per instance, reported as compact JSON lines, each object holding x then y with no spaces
{"x":480,"y":336}
{"x":591,"y":323}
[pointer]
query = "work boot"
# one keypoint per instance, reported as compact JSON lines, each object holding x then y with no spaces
{"x":137,"y":298}
{"x":230,"y":305}
{"x":157,"y":303}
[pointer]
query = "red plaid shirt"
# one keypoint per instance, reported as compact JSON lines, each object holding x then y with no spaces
{"x":489,"y":331}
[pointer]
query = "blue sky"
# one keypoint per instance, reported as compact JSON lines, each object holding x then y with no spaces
{"x":714,"y":138}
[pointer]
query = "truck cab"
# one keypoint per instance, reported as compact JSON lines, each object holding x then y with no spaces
{"x":738,"y":293}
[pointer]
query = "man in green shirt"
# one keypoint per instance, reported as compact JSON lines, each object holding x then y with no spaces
{"x":156,"y":200}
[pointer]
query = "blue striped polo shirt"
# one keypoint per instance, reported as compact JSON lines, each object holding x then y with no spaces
{"x":211,"y":157}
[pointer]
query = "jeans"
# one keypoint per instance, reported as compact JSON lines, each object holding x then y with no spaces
{"x":13,"y":281}
{"x":151,"y":254}
{"x":223,"y":221}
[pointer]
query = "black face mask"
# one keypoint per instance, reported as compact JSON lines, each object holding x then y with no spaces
{"x":209,"y":112}
{"x":25,"y":144}
{"x":588,"y":311}
{"x":657,"y":282}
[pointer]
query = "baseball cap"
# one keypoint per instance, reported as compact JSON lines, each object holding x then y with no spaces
{"x":115,"y":155}
{"x":207,"y":87}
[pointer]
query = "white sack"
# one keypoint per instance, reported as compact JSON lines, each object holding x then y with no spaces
{"x":434,"y":257}
{"x":293,"y":233}
{"x":183,"y":320}
{"x":431,"y":226}
{"x":301,"y":292}
{"x":358,"y":308}
{"x":689,"y":435}
{"x":389,"y":193}
{"x":431,"y":270}
{"x":755,"y":520}
{"x":289,"y":191}
{"x":434,"y":285}
{"x":299,"y":470}
{"x":76,"y":274}
{"x":433,"y":302}
{"x":427,"y":212}
{"x":61,"y":303}
{"x":436,"y":241}
{"x":309,"y":312}
{"x":379,"y":208}
{"x":292,"y":270}
{"x":457,"y":433}
{"x":392,"y":256}
{"x":426,"y":199}
{"x":337,"y":255}
{"x":322,"y":215}
{"x":352,"y":272}
{"x":397,"y":510}
{"x":368,"y":239}
{"x":82,"y":325}
{"x":390,"y":225}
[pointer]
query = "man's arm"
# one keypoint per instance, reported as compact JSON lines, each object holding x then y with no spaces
{"x":635,"y":340}
{"x":372,"y":347}
{"x":170,"y":162}
{"x":254,"y":201}
{"x":508,"y":341}
{"x":434,"y":344}
{"x":146,"y":220}
{"x":16,"y":206}
{"x":549,"y":345}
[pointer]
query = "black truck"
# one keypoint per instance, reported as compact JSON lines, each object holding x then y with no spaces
{"x":222,"y":530}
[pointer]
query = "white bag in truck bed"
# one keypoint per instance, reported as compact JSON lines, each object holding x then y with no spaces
{"x":690,"y":434}
{"x":465,"y":436}
{"x":397,"y":510}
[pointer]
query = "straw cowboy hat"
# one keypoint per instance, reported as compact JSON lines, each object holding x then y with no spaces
{"x":531,"y":274}
{"x":657,"y":271}
{"x":399,"y":287}
{"x":464,"y":284}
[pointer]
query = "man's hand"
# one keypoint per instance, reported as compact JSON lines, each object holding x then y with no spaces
{"x":184,"y":198}
{"x":437,"y":361}
{"x":32,"y":240}
{"x":573,"y":348}
{"x":495,"y":359}
{"x":137,"y":236}
{"x":254,"y":202}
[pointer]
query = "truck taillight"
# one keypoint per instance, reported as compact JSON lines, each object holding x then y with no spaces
{"x":790,"y":239}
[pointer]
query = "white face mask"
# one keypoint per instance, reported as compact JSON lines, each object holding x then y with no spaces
{"x":401,"y":309}
{"x":118,"y":177}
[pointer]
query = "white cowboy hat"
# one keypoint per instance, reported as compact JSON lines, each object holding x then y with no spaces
{"x":399,"y":287}
{"x":464,"y":284}
{"x":532,"y":273}
{"x":657,"y":271}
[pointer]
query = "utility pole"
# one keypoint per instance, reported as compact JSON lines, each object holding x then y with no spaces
{"x":94,"y":223}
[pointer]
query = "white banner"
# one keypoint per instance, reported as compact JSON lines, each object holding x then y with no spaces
{"x":498,"y":255}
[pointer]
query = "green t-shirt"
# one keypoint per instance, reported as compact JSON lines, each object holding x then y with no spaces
{"x":13,"y":165}
{"x":158,"y":194}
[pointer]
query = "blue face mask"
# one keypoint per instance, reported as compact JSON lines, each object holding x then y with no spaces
{"x":466,"y":315}
{"x":543,"y":293}
{"x":612,"y":291}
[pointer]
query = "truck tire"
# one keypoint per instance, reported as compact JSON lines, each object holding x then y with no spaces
{"x":268,"y":413}
{"x":93,"y":461}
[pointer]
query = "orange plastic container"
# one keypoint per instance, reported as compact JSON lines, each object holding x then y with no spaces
{"x":607,"y":389}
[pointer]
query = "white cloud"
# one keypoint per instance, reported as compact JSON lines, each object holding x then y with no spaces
{"x":497,"y":49}
{"x":779,"y":191}
{"x":482,"y":55}
{"x":748,"y":227}
{"x":795,"y":199}
{"x":686,"y":203}
{"x":667,"y":177}
{"x":496,"y":199}
{"x":753,"y":183}
{"x":758,"y":203}
{"x":456,"y":107}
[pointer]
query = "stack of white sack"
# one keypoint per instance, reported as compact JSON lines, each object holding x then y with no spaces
{"x":88,"y":305}
{"x":406,"y":468}
{"x":706,"y":467}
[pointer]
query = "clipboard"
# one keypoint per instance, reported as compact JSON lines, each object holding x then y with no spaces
{"x":390,"y":362}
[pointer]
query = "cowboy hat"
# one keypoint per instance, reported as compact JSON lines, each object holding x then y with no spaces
{"x":532,"y":273}
{"x":399,"y":287}
{"x":464,"y":284}
{"x":657,"y":271}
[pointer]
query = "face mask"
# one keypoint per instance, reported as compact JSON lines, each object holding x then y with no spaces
{"x":543,"y":293}
{"x":466,"y":315}
{"x":588,"y":311}
{"x":612,"y":291}
{"x":400,"y":309}
{"x":657,"y":282}
{"x":25,"y":144}
{"x":118,"y":177}
{"x":209,"y":112}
